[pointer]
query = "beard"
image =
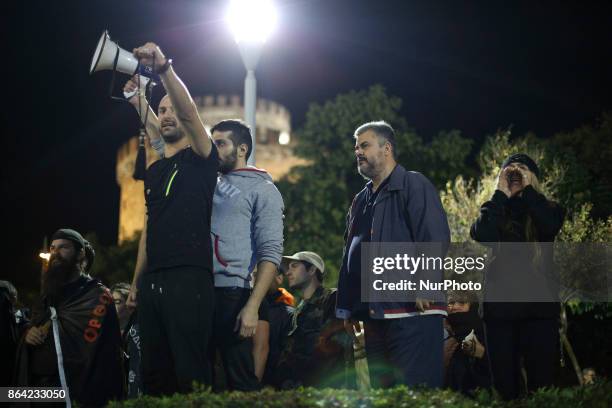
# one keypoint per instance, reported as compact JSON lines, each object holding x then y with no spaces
{"x":171,"y":135}
{"x":228,"y":163}
{"x":367,"y":169}
{"x":59,"y":272}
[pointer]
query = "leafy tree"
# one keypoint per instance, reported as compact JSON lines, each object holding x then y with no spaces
{"x":114,"y":263}
{"x":591,"y":146}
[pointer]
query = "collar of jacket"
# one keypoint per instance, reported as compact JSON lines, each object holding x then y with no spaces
{"x":316,"y":295}
{"x":396,"y":179}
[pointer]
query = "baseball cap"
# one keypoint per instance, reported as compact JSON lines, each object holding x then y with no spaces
{"x":309,"y":257}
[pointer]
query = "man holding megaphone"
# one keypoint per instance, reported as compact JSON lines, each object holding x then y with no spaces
{"x":173,"y":282}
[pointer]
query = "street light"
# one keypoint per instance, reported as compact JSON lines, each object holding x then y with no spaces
{"x":252,"y":22}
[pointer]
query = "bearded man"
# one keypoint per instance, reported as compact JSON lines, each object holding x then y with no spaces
{"x":78,"y":311}
{"x":395,"y":206}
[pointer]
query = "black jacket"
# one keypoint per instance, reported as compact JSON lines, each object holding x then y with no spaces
{"x":408,"y":209}
{"x":90,"y":341}
{"x":504,"y":219}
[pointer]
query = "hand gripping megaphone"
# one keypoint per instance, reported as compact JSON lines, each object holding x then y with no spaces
{"x":109,"y":56}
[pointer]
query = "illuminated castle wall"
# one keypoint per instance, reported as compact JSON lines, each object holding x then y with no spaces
{"x":273,"y":152}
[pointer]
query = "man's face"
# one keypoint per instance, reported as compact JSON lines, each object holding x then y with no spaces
{"x":122,"y":311}
{"x":62,"y":250}
{"x":62,"y":266}
{"x":169,"y":127}
{"x":297,"y":275}
{"x":370,"y":155}
{"x":228,"y":152}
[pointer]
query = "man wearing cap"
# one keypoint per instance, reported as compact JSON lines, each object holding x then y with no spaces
{"x":317,"y":346}
{"x":402,"y":337}
{"x":89,"y":350}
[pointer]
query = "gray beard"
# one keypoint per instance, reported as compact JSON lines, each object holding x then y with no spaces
{"x":367,"y":173}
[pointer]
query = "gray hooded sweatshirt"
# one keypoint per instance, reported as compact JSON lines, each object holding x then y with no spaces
{"x":247,"y":225}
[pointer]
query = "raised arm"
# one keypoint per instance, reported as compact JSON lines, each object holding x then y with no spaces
{"x":184,"y":106}
{"x":140,"y":103}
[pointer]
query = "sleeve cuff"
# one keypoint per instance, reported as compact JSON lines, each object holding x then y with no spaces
{"x":343,"y":314}
{"x":272,"y":259}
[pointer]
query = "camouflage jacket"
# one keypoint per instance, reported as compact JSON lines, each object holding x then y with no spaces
{"x":317,"y":345}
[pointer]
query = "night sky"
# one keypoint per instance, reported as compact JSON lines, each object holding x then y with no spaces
{"x":473,"y":66}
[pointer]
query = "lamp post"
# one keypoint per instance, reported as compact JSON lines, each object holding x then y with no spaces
{"x":252,"y":22}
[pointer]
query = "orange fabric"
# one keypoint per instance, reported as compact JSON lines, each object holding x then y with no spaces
{"x":285,"y":297}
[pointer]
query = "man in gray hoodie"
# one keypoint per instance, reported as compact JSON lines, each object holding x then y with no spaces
{"x":247,"y":232}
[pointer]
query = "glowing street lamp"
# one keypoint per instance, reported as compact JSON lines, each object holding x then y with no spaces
{"x":252,"y":22}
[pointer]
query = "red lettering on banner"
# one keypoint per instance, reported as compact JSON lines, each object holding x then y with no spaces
{"x":90,"y":335}
{"x":95,"y":323}
{"x":91,"y":331}
{"x":100,"y":310}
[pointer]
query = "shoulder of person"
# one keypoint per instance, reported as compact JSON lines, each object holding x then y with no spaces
{"x":329,"y":296}
{"x":264,"y":186}
{"x":415,"y":179}
{"x":190,"y":155}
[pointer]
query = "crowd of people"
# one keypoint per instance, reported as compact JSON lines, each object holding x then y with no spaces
{"x":213,"y":298}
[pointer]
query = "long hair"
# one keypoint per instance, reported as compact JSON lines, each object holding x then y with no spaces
{"x":529,"y":229}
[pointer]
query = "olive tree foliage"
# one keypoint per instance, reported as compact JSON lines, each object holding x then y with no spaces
{"x":462,"y":197}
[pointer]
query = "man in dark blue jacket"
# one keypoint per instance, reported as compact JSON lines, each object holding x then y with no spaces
{"x":396,"y":205}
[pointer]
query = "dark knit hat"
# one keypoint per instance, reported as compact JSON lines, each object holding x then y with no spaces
{"x":523,"y":159}
{"x":69,"y":234}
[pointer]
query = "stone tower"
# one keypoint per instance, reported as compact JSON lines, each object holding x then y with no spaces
{"x":273,"y":152}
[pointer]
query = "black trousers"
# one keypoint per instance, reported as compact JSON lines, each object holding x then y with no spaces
{"x":175,"y":312}
{"x":236,"y":352}
{"x":535,"y":340}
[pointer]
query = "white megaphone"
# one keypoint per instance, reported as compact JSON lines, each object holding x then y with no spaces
{"x":109,"y":56}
